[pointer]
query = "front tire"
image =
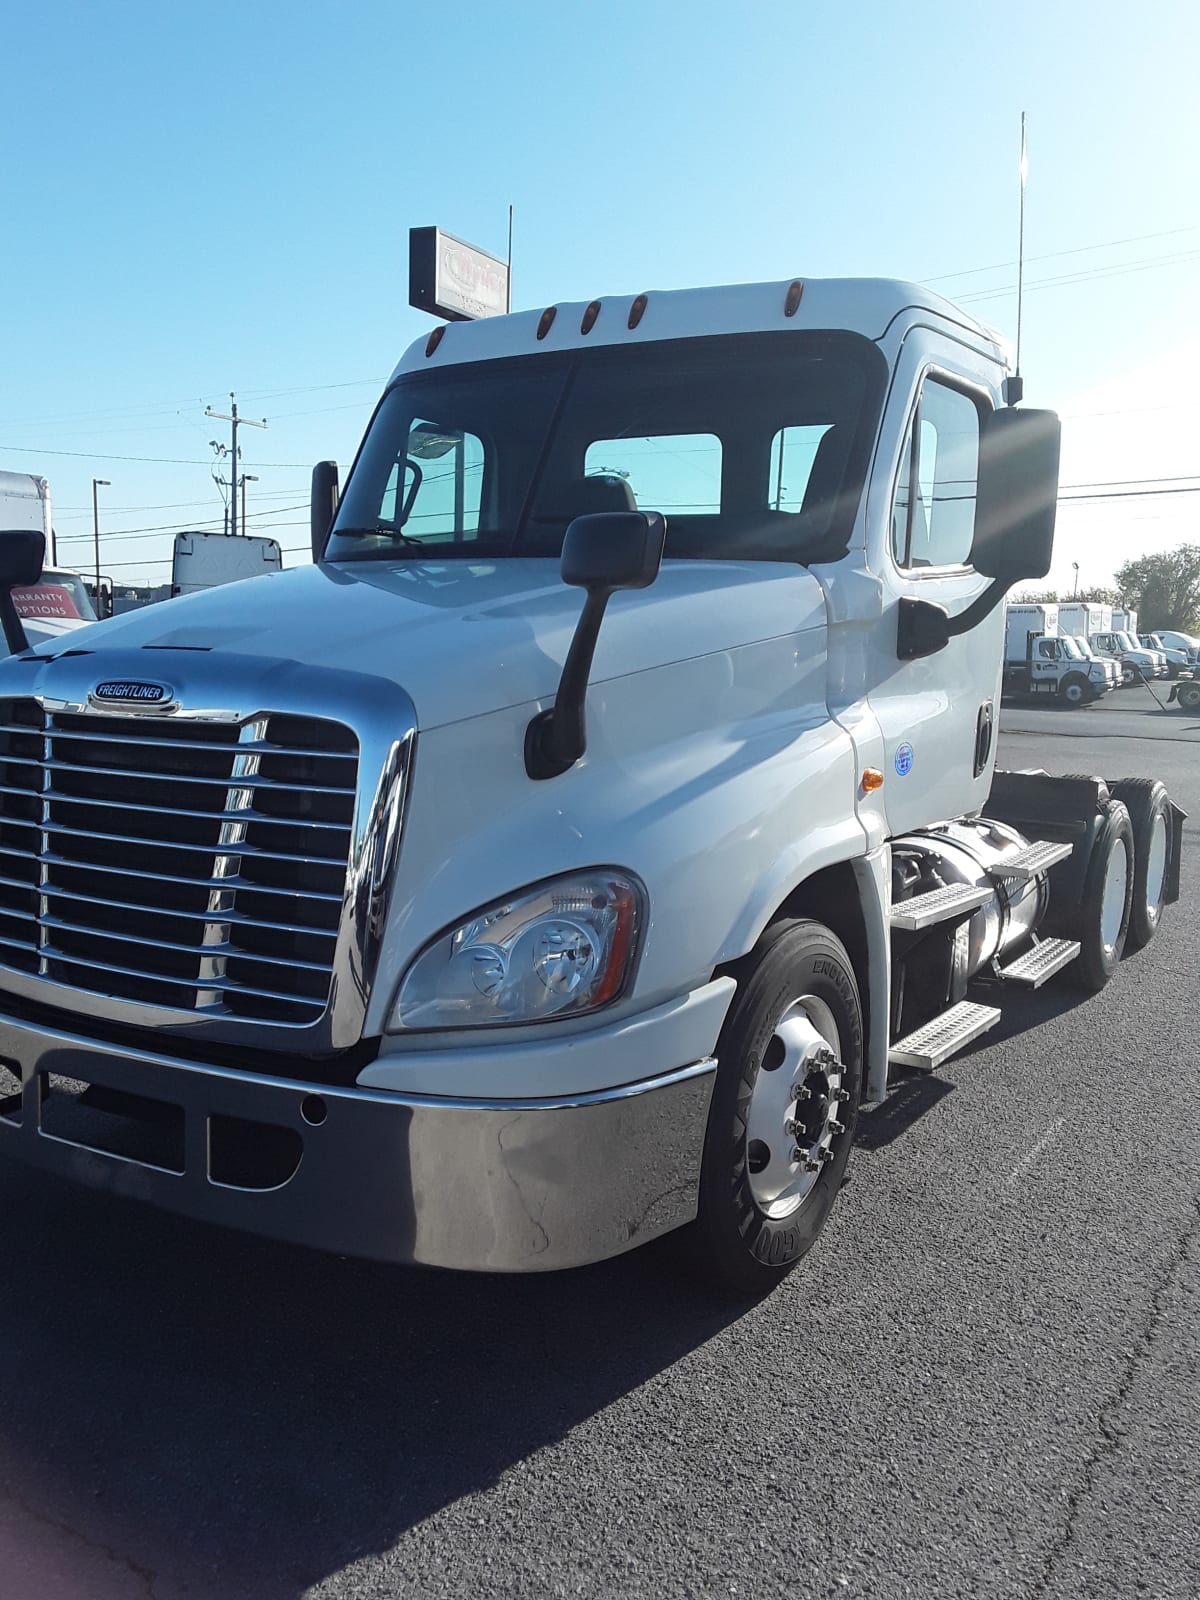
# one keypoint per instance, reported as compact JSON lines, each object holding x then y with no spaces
{"x":1188,"y":696}
{"x":1148,"y":805}
{"x":784,"y":1108}
{"x":1075,"y":690}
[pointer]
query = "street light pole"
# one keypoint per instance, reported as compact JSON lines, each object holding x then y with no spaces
{"x":1075,"y":592}
{"x":247,"y":477}
{"x":97,"y":483}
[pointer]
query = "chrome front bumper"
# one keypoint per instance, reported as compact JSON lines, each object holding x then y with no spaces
{"x":515,"y":1186}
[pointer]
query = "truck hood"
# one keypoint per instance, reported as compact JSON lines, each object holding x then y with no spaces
{"x":463,"y":639}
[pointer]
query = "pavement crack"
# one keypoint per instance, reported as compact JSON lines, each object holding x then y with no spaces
{"x":1111,"y":1435}
{"x":147,"y":1574}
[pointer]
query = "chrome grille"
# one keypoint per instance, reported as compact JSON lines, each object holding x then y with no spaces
{"x":199,"y":866}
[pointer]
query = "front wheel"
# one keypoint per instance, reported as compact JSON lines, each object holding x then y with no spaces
{"x":1188,"y":696}
{"x":785,"y":1103}
{"x":1075,"y":689}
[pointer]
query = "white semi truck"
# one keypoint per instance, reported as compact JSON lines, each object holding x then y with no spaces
{"x":416,"y":905}
{"x":1042,"y":662}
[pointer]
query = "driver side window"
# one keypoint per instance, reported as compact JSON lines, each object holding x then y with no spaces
{"x":933,"y":511}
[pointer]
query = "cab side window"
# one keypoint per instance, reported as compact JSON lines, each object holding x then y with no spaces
{"x":933,"y":513}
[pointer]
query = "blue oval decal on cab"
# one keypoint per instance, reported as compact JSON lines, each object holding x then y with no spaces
{"x":904,"y":760}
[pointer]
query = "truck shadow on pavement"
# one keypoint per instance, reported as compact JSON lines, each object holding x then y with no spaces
{"x":238,"y":1418}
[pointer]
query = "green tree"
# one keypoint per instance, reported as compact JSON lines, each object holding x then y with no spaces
{"x":1164,"y":588}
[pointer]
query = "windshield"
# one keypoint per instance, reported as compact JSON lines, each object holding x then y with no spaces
{"x":1083,"y":646}
{"x":1124,"y":640}
{"x":56,"y":596}
{"x":753,"y":446}
{"x":1070,"y":649}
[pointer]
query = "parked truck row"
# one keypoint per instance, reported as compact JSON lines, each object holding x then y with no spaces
{"x":1076,"y":652}
{"x":536,"y":873}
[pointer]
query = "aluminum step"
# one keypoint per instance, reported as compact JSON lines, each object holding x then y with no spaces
{"x":1041,"y":962}
{"x":923,"y":910}
{"x":938,"y":1040}
{"x":1035,"y":858}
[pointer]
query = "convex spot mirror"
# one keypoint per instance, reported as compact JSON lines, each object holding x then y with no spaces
{"x":1017,"y":495}
{"x":610,"y":550}
{"x":322,"y":505}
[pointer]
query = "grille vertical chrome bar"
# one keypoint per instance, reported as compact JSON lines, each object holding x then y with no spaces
{"x":44,"y":850}
{"x":228,"y":864}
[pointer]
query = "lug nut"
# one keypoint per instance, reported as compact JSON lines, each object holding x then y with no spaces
{"x":801,"y":1091}
{"x":826,"y":1153}
{"x":835,"y":1126}
{"x":839,"y":1094}
{"x":799,"y":1153}
{"x":812,"y":1166}
{"x":793,"y":1129}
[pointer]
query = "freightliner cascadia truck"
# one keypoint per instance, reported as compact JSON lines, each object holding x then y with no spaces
{"x":568,"y":854}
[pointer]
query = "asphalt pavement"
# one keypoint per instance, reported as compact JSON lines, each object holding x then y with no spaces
{"x":983,"y":1381}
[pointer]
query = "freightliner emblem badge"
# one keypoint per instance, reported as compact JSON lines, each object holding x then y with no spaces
{"x":122,"y":691}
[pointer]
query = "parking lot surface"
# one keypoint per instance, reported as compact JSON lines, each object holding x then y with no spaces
{"x":983,"y":1381}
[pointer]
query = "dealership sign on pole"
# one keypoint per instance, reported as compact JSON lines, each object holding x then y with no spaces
{"x":454,"y":280}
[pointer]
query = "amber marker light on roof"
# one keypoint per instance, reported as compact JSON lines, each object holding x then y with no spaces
{"x":793,"y":298}
{"x":434,"y":339}
{"x":547,"y":321}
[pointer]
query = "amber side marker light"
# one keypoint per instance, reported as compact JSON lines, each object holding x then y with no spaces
{"x":589,"y":317}
{"x":547,"y":321}
{"x":434,"y":339}
{"x":638,"y":310}
{"x":793,"y":298}
{"x":872,"y":778}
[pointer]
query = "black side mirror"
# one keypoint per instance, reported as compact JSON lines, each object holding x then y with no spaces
{"x":1015,"y":505}
{"x":1017,"y":496}
{"x":22,"y":555}
{"x":602,"y":552}
{"x":322,"y":505}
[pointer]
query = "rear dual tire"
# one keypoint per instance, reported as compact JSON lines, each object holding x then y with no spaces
{"x":1149,"y":809}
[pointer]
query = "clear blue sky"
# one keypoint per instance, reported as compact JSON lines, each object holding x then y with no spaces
{"x":218,"y":196}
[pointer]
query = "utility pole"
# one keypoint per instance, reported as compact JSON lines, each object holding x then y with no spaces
{"x":97,"y":483}
{"x":219,"y":416}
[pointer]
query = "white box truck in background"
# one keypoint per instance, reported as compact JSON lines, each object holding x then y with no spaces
{"x":58,"y":602}
{"x":1083,"y":618}
{"x":1040,"y":660}
{"x":207,"y":560}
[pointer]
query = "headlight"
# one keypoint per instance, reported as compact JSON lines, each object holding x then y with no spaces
{"x":558,"y":949}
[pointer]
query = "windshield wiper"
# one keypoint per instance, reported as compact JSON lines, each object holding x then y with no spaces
{"x":406,"y":539}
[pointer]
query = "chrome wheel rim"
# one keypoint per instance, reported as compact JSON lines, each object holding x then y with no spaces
{"x":793,"y":1120}
{"x":1112,"y":903}
{"x":1156,"y":865}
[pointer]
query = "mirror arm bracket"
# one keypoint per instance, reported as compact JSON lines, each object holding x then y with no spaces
{"x":923,"y":628}
{"x":557,"y":737}
{"x":14,"y":628}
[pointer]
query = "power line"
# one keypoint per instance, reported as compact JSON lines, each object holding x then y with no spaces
{"x":1056,"y":255}
{"x":197,"y":525}
{"x":1073,"y":278}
